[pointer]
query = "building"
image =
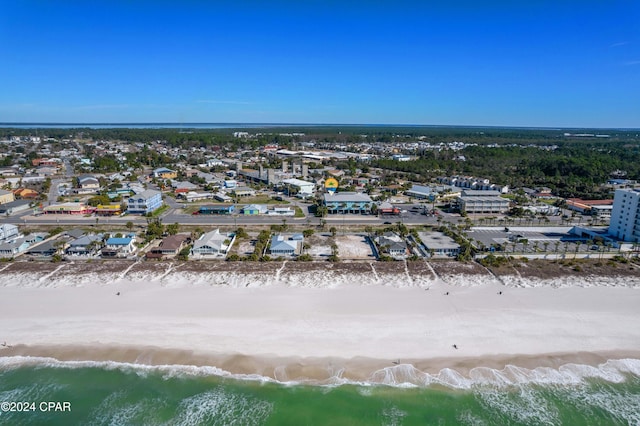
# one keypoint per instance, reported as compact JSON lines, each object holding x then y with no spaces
{"x":109,"y":210}
{"x":192,"y":196}
{"x":14,"y":207}
{"x":283,"y":246}
{"x":244,"y":191}
{"x":87,"y":182}
{"x":482,"y":201}
{"x":300,"y":187}
{"x":421,"y":192}
{"x":470,"y":182}
{"x":217,"y":209}
{"x":348,"y":202}
{"x":69,"y":209}
{"x":281,"y":211}
{"x":8,"y":232}
{"x":6,"y":196}
{"x":86,"y":245}
{"x":169,"y":246}
{"x":146,"y":202}
{"x":213,"y":243}
{"x":438,"y":244}
{"x":119,"y":247}
{"x":164,"y":173}
{"x":591,"y":207}
{"x":254,"y":209}
{"x":25,"y":194}
{"x":392,"y":244}
{"x":46,"y":249}
{"x":625,"y":216}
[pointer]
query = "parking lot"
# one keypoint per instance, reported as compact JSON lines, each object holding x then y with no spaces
{"x":529,"y":240}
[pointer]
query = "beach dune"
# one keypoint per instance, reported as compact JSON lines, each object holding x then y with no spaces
{"x":351,"y":326}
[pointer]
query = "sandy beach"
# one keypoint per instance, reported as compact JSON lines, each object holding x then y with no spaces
{"x":288,"y":322}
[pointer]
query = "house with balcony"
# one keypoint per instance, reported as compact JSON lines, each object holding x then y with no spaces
{"x":286,"y":246}
{"x":213,"y":244}
{"x":145,"y":202}
{"x":348,"y":202}
{"x":119,"y":247}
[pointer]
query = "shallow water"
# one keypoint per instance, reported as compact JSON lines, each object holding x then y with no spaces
{"x":107,"y":393}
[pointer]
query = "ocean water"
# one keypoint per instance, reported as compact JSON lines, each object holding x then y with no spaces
{"x":107,"y":393}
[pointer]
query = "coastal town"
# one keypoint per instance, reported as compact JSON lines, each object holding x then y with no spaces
{"x":76,"y":198}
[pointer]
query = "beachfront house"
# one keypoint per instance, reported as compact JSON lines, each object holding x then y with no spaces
{"x":169,"y":246}
{"x":212,"y":244}
{"x":86,"y":245}
{"x":283,"y":246}
{"x":119,"y":247}
{"x":8,"y":232}
{"x":45,"y":250}
{"x":392,"y":244}
{"x":12,"y":248}
{"x":145,"y":202}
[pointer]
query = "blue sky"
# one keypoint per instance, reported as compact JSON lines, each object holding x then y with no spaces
{"x":501,"y":63}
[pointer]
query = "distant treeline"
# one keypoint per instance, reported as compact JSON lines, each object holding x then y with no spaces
{"x":574,"y":169}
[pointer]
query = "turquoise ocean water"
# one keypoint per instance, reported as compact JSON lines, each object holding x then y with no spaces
{"x":106,"y":393}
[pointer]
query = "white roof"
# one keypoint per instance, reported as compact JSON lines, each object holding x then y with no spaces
{"x":342,"y":197}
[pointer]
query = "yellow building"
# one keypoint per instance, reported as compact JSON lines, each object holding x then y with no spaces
{"x":165,"y":173}
{"x":109,"y":210}
{"x":6,"y":196}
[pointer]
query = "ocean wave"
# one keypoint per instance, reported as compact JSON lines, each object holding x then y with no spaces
{"x":401,"y":376}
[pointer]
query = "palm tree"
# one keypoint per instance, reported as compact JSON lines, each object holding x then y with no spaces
{"x":546,"y":246}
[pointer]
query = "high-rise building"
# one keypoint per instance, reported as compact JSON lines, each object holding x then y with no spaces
{"x":625,"y":216}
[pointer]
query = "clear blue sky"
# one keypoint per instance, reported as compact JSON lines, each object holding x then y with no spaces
{"x":504,"y":63}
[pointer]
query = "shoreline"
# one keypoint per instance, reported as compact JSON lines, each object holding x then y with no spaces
{"x":458,"y":372}
{"x":288,"y":320}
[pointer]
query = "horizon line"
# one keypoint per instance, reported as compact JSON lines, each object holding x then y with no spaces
{"x":284,"y":124}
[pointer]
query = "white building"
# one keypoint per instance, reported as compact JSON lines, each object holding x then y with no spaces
{"x":625,"y":216}
{"x":305,"y":189}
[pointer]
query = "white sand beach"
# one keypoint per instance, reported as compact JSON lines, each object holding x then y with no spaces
{"x":416,"y":319}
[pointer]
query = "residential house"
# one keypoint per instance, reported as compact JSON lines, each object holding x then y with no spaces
{"x":169,"y":246}
{"x":46,"y":249}
{"x":13,"y":247}
{"x":119,"y":247}
{"x":8,"y":232}
{"x":145,"y":202}
{"x":88,"y":182}
{"x":438,"y":244}
{"x":392,"y":244}
{"x":86,"y":245}
{"x":283,"y":246}
{"x":25,"y":194}
{"x":213,"y":243}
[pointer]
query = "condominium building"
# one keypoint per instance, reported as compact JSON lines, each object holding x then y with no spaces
{"x":625,"y":216}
